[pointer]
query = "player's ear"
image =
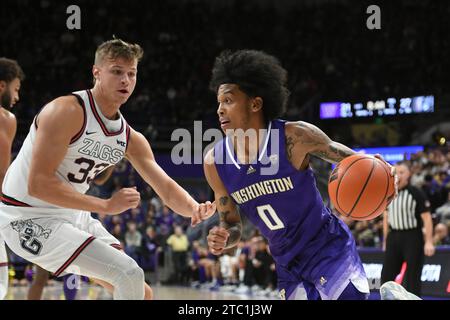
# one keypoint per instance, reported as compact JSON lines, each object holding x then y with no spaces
{"x":3,"y":85}
{"x":257,"y":104}
{"x":95,"y":72}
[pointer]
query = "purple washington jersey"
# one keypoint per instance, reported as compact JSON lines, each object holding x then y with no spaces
{"x":309,"y":244}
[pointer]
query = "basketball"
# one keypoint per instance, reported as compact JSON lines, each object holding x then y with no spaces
{"x":361,"y":187}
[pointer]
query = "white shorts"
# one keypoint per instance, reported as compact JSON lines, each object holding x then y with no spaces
{"x":54,"y":242}
{"x":3,"y":255}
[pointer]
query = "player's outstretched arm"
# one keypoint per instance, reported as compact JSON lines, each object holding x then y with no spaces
{"x":140,"y":154}
{"x":228,"y":234}
{"x":303,"y":137}
{"x":58,"y":122}
{"x":8,"y":126}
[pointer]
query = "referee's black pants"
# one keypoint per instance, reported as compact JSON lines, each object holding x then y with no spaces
{"x":404,"y":246}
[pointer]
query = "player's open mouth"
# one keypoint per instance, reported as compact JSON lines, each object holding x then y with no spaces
{"x":123,"y":91}
{"x":223,"y":123}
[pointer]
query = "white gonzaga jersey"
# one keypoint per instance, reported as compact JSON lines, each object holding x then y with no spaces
{"x":99,"y":144}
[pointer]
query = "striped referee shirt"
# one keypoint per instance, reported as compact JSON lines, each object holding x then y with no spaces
{"x":405,"y":210}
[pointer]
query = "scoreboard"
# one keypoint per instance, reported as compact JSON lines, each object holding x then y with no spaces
{"x":379,"y":108}
{"x":390,"y":154}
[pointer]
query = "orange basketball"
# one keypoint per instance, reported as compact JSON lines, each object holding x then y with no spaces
{"x":361,"y":187}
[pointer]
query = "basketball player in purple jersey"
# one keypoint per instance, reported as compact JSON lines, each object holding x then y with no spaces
{"x":314,"y":251}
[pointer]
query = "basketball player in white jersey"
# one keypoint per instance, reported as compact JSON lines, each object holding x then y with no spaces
{"x":45,"y":215}
{"x":11,"y":76}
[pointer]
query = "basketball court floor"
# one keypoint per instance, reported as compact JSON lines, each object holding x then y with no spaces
{"x":94,"y":292}
{"x":161,"y":292}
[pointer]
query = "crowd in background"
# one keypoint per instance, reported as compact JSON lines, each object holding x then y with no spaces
{"x":325,"y":46}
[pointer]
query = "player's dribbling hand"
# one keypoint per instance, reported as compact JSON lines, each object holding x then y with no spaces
{"x":217,"y":239}
{"x":203,"y":212}
{"x":124,"y":199}
{"x":393,"y":174}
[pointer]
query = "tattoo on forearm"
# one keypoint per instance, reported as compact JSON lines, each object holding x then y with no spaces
{"x":223,"y":201}
{"x":343,"y":152}
{"x":223,"y":216}
{"x":323,"y":155}
{"x":333,"y":153}
{"x":230,"y":221}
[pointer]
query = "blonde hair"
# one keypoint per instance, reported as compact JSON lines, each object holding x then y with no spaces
{"x":117,"y":48}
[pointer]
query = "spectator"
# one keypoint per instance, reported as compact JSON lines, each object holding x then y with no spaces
{"x":209,"y":264}
{"x":179,"y":244}
{"x":433,"y":191}
{"x":193,"y":263}
{"x":133,"y":241}
{"x":118,"y":234}
{"x":443,"y":212}
{"x":166,"y":219}
{"x":441,"y":237}
{"x":261,"y":266}
{"x":150,"y":250}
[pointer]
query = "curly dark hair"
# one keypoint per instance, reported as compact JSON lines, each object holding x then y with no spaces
{"x":257,"y":74}
{"x":10,"y":70}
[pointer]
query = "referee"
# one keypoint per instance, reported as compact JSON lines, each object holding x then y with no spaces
{"x":403,"y":238}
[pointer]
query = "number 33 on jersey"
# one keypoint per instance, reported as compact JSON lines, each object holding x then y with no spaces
{"x":99,"y":144}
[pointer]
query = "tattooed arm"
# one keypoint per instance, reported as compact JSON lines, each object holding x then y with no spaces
{"x":228,"y":233}
{"x":303,"y":139}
